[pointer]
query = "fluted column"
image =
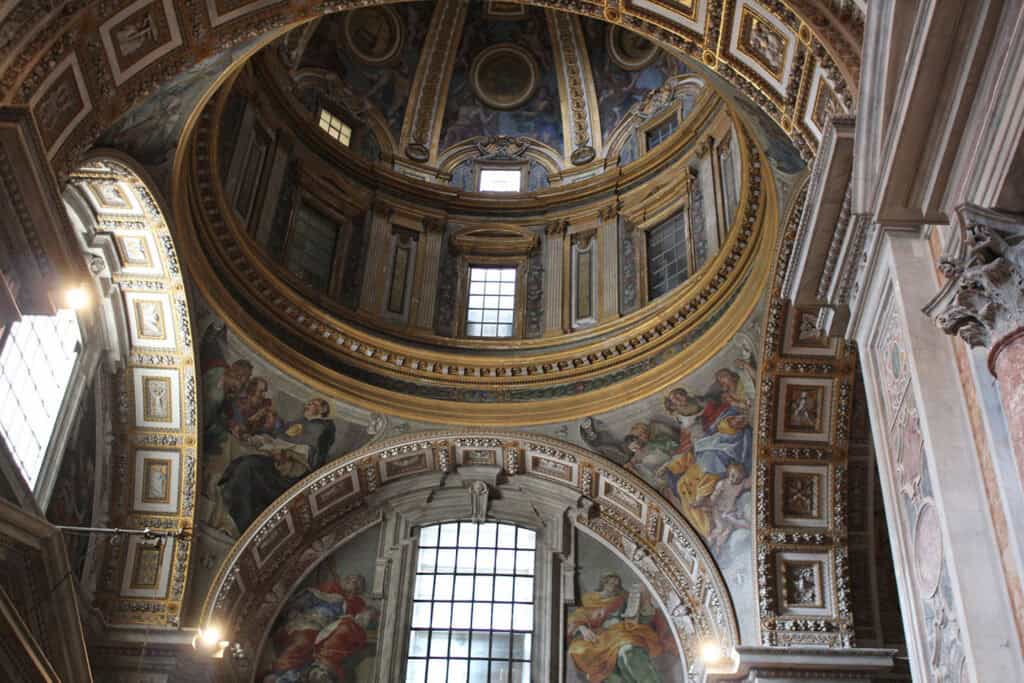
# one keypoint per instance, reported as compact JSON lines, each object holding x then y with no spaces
{"x":554,"y":279}
{"x":425,"y":295}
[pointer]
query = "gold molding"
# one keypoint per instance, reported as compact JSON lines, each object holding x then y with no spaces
{"x":739,"y":271}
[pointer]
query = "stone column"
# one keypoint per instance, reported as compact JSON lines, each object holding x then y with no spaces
{"x":983,"y":302}
{"x":425,"y":296}
{"x":554,"y":285}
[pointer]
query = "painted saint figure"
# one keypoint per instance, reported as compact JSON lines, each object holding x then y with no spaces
{"x":614,"y":635}
{"x":252,"y":482}
{"x":326,"y":631}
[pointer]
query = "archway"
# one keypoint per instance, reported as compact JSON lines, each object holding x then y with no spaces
{"x":152,"y":450}
{"x":433,"y":476}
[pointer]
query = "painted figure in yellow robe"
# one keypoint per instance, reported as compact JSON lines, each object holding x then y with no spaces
{"x":613,"y":636}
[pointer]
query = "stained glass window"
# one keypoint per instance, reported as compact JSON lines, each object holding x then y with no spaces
{"x":491,"y":308}
{"x":35,"y":367}
{"x":473,"y":604}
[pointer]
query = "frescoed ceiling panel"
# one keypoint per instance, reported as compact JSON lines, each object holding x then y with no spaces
{"x":374,"y":51}
{"x":626,"y":67}
{"x":467,"y":115}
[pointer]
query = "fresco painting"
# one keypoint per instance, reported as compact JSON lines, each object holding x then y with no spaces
{"x":692,"y":442}
{"x":327,"y":630}
{"x":384,"y":85}
{"x":616,"y":632}
{"x":258,"y":438}
{"x":617,"y":88}
{"x":467,"y":116}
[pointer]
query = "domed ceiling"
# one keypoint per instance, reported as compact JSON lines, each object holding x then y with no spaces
{"x":495,"y":69}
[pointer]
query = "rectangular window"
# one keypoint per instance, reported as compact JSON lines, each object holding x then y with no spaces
{"x":472,"y":612}
{"x":661,"y":132}
{"x":667,"y":256}
{"x":491,"y":308}
{"x":35,"y":367}
{"x":500,"y":180}
{"x":252,"y":174}
{"x":335,"y":127}
{"x":310,"y":252}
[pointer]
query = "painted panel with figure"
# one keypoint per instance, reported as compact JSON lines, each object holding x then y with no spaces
{"x":327,"y":631}
{"x":615,"y":631}
{"x":694,"y":443}
{"x":259,"y":436}
{"x":524,"y":74}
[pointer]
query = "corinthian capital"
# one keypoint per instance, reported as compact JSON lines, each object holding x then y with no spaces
{"x":983,"y":300}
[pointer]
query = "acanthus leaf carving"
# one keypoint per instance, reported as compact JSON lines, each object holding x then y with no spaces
{"x":984,"y":300}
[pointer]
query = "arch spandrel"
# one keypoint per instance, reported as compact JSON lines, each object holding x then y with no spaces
{"x":530,"y":473}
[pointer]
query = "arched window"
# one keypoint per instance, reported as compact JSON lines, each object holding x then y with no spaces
{"x":473,"y":604}
{"x":36,"y":363}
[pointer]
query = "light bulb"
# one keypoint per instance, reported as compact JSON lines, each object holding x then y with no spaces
{"x":710,"y":652}
{"x":76,"y":298}
{"x":210,"y":636}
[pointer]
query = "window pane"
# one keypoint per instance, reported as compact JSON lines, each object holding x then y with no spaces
{"x":500,"y":180}
{"x":418,"y":643}
{"x":478,"y":671}
{"x":424,"y":587}
{"x":428,"y":536}
{"x":35,"y":369}
{"x":491,"y":300}
{"x":506,"y":536}
{"x":493,"y":614}
{"x":439,"y":643}
{"x":521,"y":645}
{"x":416,"y":672}
{"x":460,"y":644}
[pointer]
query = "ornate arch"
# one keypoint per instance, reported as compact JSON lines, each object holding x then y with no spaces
{"x":794,"y":59}
{"x":348,"y":495}
{"x":155,"y":421}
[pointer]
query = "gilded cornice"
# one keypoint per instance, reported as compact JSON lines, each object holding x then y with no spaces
{"x":546,"y":378}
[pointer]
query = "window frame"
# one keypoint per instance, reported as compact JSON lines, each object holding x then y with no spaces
{"x":522,"y":166}
{"x":467,"y":261}
{"x":542,"y":509}
{"x":416,"y":573}
{"x":672,"y":111}
{"x":321,"y":109}
{"x":81,"y":374}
